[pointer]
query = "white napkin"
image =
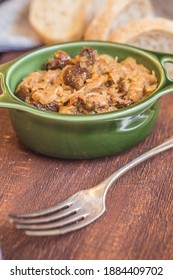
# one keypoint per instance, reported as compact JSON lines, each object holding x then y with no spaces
{"x":15,"y":30}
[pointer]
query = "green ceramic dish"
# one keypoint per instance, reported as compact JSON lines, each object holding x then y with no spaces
{"x":82,"y":136}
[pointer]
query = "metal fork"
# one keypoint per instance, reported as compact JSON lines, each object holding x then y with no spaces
{"x":82,"y":208}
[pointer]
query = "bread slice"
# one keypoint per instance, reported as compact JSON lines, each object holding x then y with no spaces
{"x":114,"y":14}
{"x":154,"y":34}
{"x":60,"y":20}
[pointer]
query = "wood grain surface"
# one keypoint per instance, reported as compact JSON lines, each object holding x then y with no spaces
{"x":138,"y":222}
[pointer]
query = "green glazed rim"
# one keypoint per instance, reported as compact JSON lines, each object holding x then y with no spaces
{"x":9,"y":100}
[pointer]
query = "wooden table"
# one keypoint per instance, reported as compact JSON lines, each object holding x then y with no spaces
{"x":138,"y":223}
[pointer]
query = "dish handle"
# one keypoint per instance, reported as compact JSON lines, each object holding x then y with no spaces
{"x":168,"y":81}
{"x":6,"y":100}
{"x":164,"y":58}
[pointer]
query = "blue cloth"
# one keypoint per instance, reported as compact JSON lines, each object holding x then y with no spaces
{"x":15,"y":31}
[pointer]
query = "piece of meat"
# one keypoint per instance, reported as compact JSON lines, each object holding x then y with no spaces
{"x":22,"y":92}
{"x":88,"y":55}
{"x":94,"y":101}
{"x":60,"y":60}
{"x":75,"y":76}
{"x":49,"y":107}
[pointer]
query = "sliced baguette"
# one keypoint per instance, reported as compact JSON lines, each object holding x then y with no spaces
{"x":114,"y":14}
{"x":154,"y":34}
{"x":60,"y":20}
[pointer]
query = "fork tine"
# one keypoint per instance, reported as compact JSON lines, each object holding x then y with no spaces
{"x":59,"y":231}
{"x":57,"y":207}
{"x":72,"y":219}
{"x":52,"y":217}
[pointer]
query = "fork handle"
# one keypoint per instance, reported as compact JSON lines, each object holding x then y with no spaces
{"x":107,"y":183}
